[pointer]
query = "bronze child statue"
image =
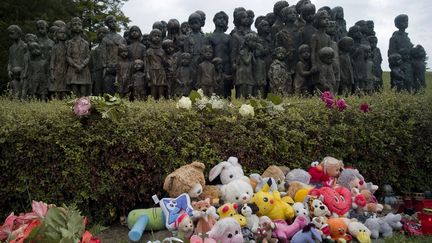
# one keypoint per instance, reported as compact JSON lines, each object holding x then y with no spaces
{"x":184,"y":76}
{"x":36,"y":78}
{"x":138,"y":81}
{"x":326,"y":80}
{"x":303,"y":71}
{"x":154,"y":65}
{"x":206,"y":73}
{"x":397,"y":76}
{"x":279,"y":76}
{"x":59,"y":65}
{"x":124,"y":69}
{"x":346,"y":84}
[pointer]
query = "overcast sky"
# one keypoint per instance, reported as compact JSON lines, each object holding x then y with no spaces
{"x":144,"y":12}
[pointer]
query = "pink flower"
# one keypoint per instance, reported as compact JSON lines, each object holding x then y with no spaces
{"x":326,"y":95}
{"x":328,"y":102}
{"x":39,"y":210}
{"x":8,"y":226}
{"x":365,"y":107}
{"x":341,"y":104}
{"x":82,"y":106}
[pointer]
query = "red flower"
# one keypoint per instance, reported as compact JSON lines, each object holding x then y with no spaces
{"x":341,"y":104}
{"x":87,"y":237}
{"x":365,"y":107}
{"x":326,"y":95}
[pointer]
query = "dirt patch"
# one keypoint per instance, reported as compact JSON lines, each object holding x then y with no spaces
{"x":119,"y":234}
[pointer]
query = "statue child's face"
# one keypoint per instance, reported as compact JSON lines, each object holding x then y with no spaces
{"x":340,"y":14}
{"x":264,"y":27}
{"x":170,"y":49}
{"x":155,"y":38}
{"x":305,"y":55}
{"x":403,"y":23}
{"x":308,"y":15}
{"x":111,"y":24}
{"x":290,"y":16}
{"x":61,"y":34}
{"x":35,"y":49}
{"x":76,"y":26}
{"x":186,"y":61}
{"x":42,"y":29}
{"x":373,"y":43}
{"x":324,"y":20}
{"x":13,"y":34}
{"x":220,"y":21}
{"x":134,"y":34}
{"x":208,"y":54}
{"x":195,"y":24}
{"x":124,"y":54}
{"x":138,"y":66}
{"x":281,"y":54}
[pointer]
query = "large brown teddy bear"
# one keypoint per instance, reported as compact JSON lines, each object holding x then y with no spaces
{"x":186,"y":179}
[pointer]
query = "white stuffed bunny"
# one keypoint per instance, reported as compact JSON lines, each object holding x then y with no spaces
{"x":228,"y":171}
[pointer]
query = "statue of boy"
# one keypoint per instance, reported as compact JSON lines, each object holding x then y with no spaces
{"x":15,"y":85}
{"x":97,"y":64}
{"x":45,"y":42}
{"x":206,"y":73}
{"x":279,"y":21}
{"x":17,"y":51}
{"x":170,"y":64}
{"x":326,"y":81}
{"x":346,"y":71}
{"x":221,"y":43}
{"x":110,"y":43}
{"x":139,"y":85}
{"x":377,"y":60}
{"x":289,"y":36}
{"x":124,"y":72}
{"x":245,"y":81}
{"x":36,"y":78}
{"x":337,"y":14}
{"x":418,"y":59}
{"x":400,"y":38}
{"x":303,"y":71}
{"x":58,"y":65}
{"x":307,"y":14}
{"x":397,"y":76}
{"x":184,"y":76}
{"x":136,"y":49}
{"x":78,"y":58}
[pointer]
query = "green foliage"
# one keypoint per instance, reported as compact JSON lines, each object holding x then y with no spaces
{"x":109,"y":168}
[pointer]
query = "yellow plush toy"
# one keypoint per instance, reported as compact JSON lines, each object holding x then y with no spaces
{"x":230,"y":210}
{"x":271,"y":204}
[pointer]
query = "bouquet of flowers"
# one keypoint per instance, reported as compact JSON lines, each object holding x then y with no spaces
{"x":107,"y":106}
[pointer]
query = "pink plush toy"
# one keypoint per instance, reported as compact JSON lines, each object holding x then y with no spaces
{"x":285,"y":232}
{"x":226,"y":230}
{"x":337,"y":200}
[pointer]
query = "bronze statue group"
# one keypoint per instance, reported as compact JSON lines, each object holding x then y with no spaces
{"x":295,"y":51}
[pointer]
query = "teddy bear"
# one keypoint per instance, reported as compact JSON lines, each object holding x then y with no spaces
{"x":213,"y":193}
{"x":205,"y":215}
{"x":384,"y":225}
{"x":184,"y":226}
{"x":226,"y":230}
{"x":237,"y":191}
{"x":186,"y":179}
{"x":372,"y":204}
{"x":326,"y":172}
{"x":298,"y":190}
{"x":351,"y":178}
{"x":227,"y":171}
{"x":278,"y":173}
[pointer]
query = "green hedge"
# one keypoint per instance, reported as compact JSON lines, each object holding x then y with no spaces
{"x":108,"y":168}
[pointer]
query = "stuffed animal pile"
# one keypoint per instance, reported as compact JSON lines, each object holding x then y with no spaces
{"x":325,"y":203}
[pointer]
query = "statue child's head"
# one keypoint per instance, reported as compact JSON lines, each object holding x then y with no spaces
{"x":250,"y":40}
{"x":15,"y":32}
{"x":373,"y":40}
{"x":278,"y":6}
{"x":184,"y":27}
{"x":207,"y":52}
{"x":203,"y":17}
{"x":135,"y":33}
{"x":401,"y":22}
{"x":337,"y":13}
{"x":195,"y":22}
{"x":221,"y":20}
{"x":42,"y":27}
{"x":100,"y":33}
{"x":35,"y":49}
{"x":355,"y":33}
{"x":345,"y":44}
{"x":263,"y":27}
{"x":138,"y":65}
{"x":280,"y":53}
{"x":321,"y":19}
{"x":289,"y":15}
{"x":173,"y":27}
{"x":29,"y":38}
{"x":123,"y":51}
{"x":304,"y":52}
{"x":168,"y":46}
{"x":331,"y":28}
{"x":155,"y":37}
{"x":76,"y":25}
{"x":326,"y":55}
{"x":418,"y":53}
{"x":61,"y":33}
{"x":251,"y":16}
{"x":308,"y":13}
{"x":395,"y":60}
{"x":186,"y":59}
{"x":111,"y":22}
{"x":218,"y":63}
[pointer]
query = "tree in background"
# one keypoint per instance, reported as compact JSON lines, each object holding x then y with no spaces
{"x":24,"y":13}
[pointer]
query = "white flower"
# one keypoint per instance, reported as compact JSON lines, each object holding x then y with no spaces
{"x":202,"y":103}
{"x":246,"y":110}
{"x":217,"y":103}
{"x":201,"y":92}
{"x":184,"y":103}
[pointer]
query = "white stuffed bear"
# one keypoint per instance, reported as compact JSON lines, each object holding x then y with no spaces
{"x":249,"y":211}
{"x":384,"y":225}
{"x":300,"y":209}
{"x":238,"y":191}
{"x":228,"y":171}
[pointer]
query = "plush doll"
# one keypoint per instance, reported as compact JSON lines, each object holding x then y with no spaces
{"x":298,"y":190}
{"x":384,"y":225}
{"x":237,"y":191}
{"x":298,"y":175}
{"x":277,"y":173}
{"x":174,"y":207}
{"x":285,"y":232}
{"x":249,"y":212}
{"x":213,"y":193}
{"x":351,"y":178}
{"x":337,"y":200}
{"x":186,"y":179}
{"x":271,"y":204}
{"x":198,"y":239}
{"x":226,"y":230}
{"x":309,"y":234}
{"x":257,"y":182}
{"x":265,"y":230}
{"x":338,"y":230}
{"x":185,"y":227}
{"x":360,"y":232}
{"x":300,"y":209}
{"x":326,"y":172}
{"x":320,"y":223}
{"x":372,"y":204}
{"x":227,"y":171}
{"x":316,"y":207}
{"x":205,"y":215}
{"x":227,"y":210}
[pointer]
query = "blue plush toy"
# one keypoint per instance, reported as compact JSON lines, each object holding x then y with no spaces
{"x":309,"y":234}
